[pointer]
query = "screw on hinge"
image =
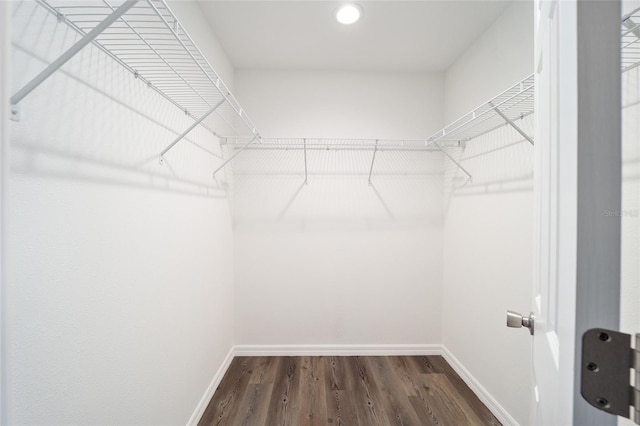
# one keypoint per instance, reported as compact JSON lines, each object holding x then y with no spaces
{"x":635,"y":396}
{"x":136,"y":74}
{"x":602,"y":402}
{"x":60,"y":16}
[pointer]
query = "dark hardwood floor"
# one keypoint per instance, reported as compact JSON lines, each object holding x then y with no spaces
{"x":344,"y":391}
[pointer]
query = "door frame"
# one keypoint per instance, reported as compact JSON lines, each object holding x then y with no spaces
{"x":588,"y":163}
{"x":5,"y":111}
{"x":599,"y":156}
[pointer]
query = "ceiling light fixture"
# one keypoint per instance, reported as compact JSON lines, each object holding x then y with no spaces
{"x":348,"y":14}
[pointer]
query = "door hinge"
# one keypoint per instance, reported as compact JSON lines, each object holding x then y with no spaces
{"x":608,"y":361}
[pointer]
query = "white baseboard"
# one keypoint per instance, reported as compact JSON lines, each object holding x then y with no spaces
{"x":208,"y":394}
{"x":494,"y":406}
{"x":336,"y":350}
{"x":353,"y":350}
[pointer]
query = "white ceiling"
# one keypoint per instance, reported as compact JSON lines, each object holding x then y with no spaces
{"x":391,"y":35}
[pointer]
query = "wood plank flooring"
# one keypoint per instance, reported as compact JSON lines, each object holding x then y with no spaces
{"x":344,"y":391}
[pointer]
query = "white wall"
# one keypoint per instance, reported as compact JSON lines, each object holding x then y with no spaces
{"x":119,"y":300}
{"x":337,"y":261}
{"x":488,"y":237}
{"x":342,"y":104}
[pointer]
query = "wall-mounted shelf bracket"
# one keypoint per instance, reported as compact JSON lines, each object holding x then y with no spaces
{"x":516,"y":102}
{"x":15,"y":113}
{"x":375,"y":150}
{"x":456,"y":162}
{"x":306,"y":181}
{"x":630,"y":25}
{"x":630,"y":37}
{"x":511,"y":123}
{"x":189,"y":129}
{"x":245,"y":146}
{"x":72,"y":51}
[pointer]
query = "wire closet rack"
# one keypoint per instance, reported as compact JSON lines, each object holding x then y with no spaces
{"x":305,"y":145}
{"x":146,"y":38}
{"x":506,"y":109}
{"x":631,"y":40}
{"x":509,"y":108}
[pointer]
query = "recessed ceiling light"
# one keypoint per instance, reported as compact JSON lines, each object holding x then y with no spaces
{"x":348,"y":14}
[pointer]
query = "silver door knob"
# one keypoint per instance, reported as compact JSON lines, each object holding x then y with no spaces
{"x":516,"y":320}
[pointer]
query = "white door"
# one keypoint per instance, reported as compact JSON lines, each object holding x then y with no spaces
{"x":577,"y":178}
{"x":553,"y":387}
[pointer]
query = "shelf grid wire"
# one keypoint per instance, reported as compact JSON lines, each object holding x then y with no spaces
{"x":515,"y":103}
{"x":149,"y":41}
{"x":335,"y":144}
{"x":631,"y":40}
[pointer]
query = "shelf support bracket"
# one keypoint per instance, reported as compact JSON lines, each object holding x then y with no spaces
{"x":72,"y":51}
{"x":186,"y":132}
{"x":457,"y":163}
{"x":375,"y":149}
{"x":234,"y":155}
{"x":511,"y":123}
{"x":631,"y":26}
{"x":305,"y":163}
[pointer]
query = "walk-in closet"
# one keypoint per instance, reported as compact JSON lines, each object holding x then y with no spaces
{"x":317,"y":212}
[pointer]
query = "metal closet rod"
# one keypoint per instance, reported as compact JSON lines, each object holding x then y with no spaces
{"x":301,"y":147}
{"x":341,"y":143}
{"x":299,"y":139}
{"x":323,"y":144}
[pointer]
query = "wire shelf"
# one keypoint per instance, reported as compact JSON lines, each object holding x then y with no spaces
{"x":321,"y":146}
{"x":149,"y":41}
{"x":513,"y":105}
{"x":631,"y":40}
{"x":332,"y":144}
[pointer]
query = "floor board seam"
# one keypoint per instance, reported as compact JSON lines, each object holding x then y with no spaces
{"x":435,"y":359}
